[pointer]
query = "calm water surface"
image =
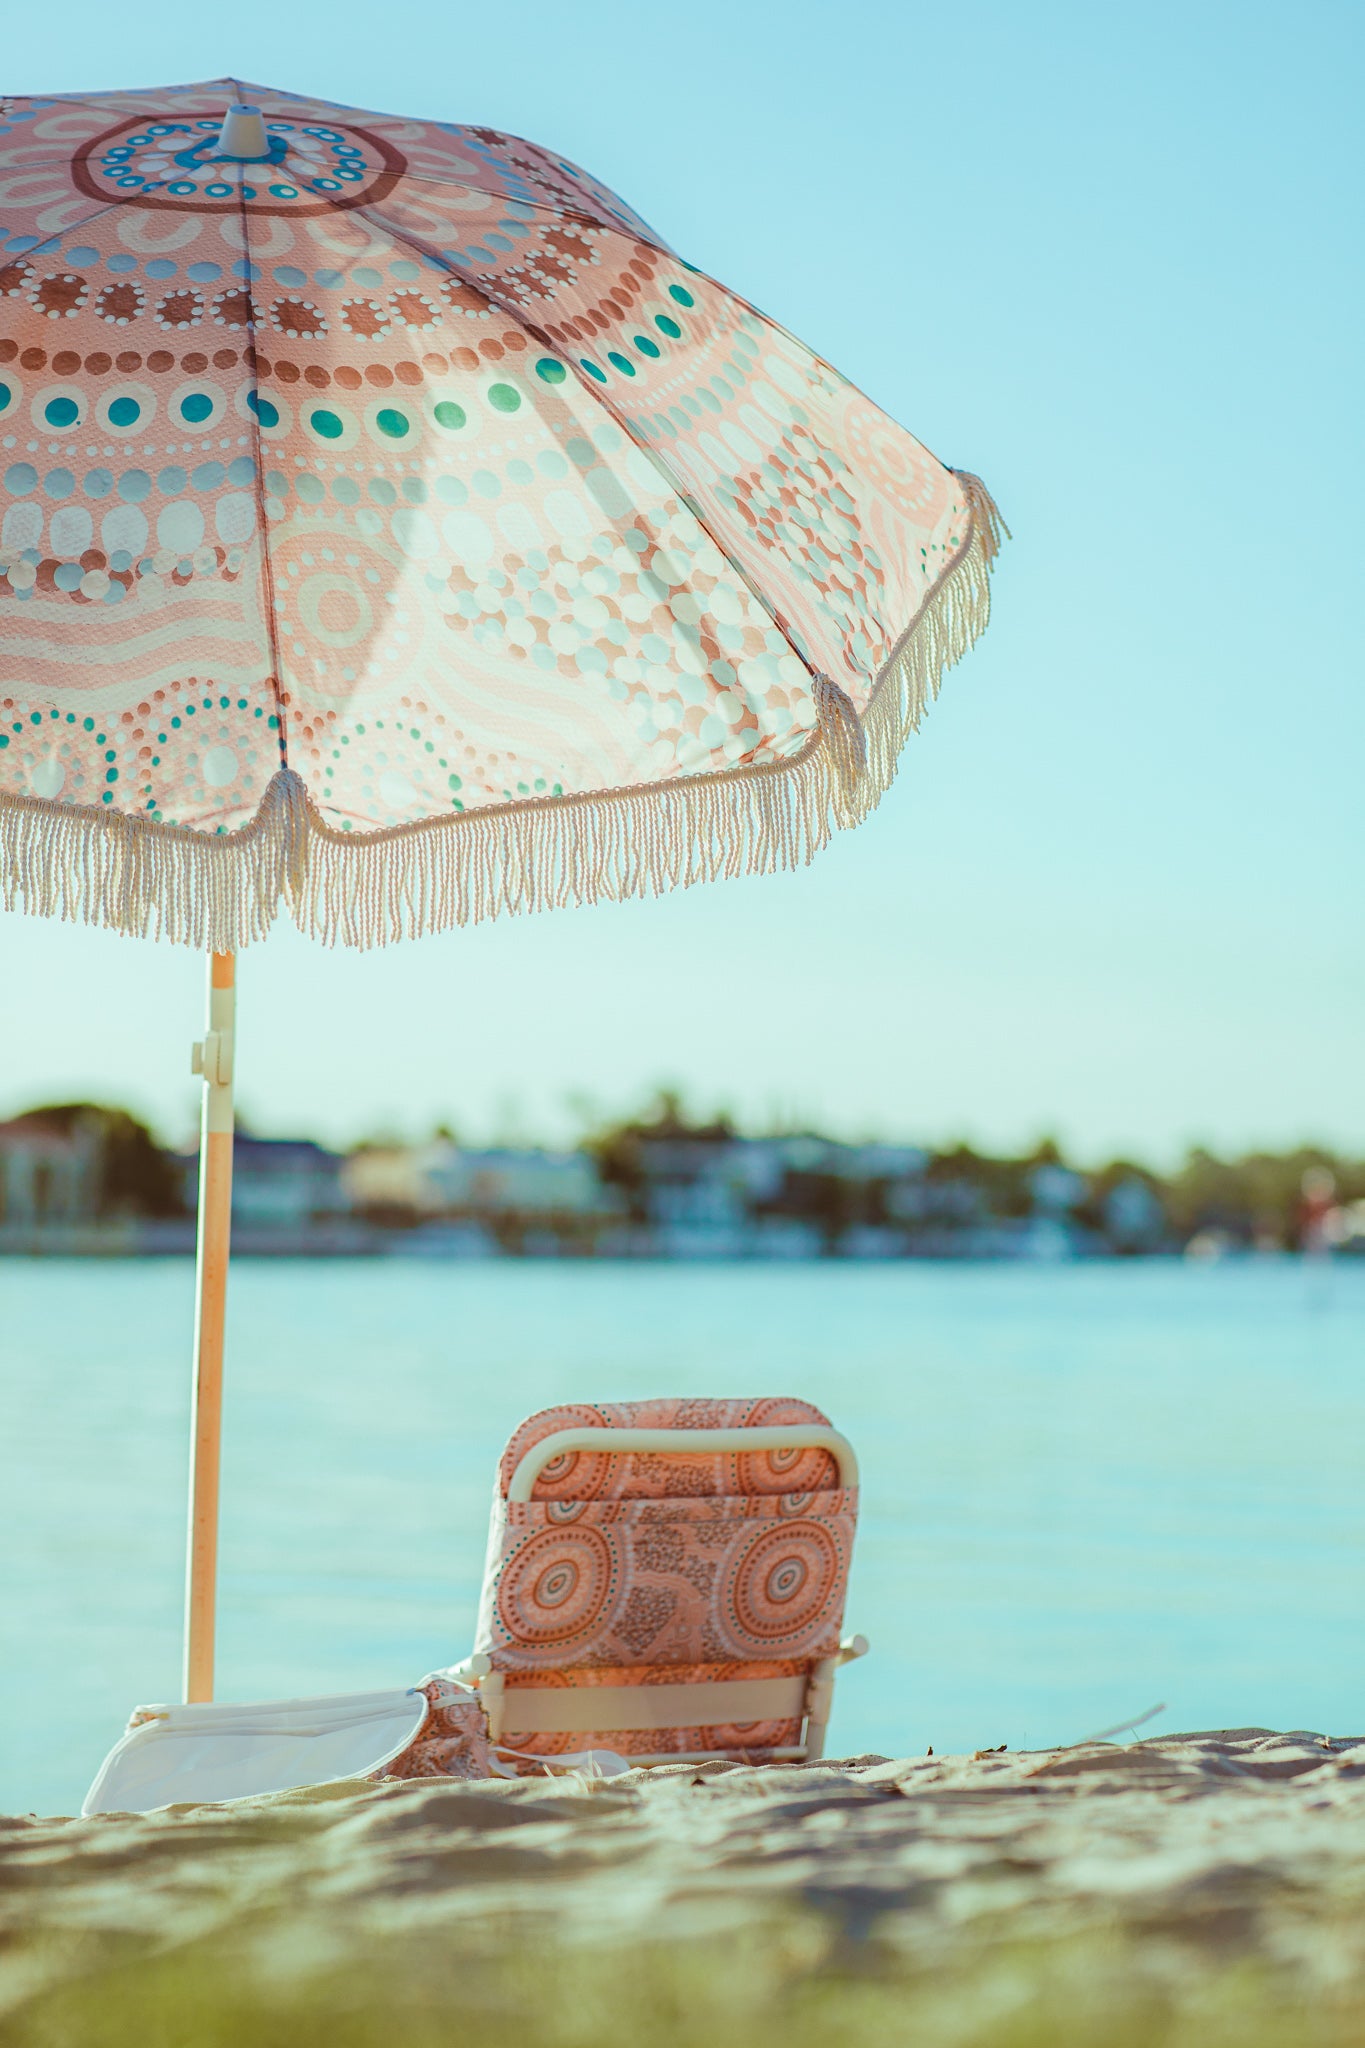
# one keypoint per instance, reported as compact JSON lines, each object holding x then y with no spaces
{"x":1085,"y":1489}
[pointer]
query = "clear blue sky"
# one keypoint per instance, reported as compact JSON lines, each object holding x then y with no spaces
{"x":1108,"y":258}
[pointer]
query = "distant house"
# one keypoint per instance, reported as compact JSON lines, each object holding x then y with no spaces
{"x":445,"y":1179}
{"x":707,"y":1201}
{"x":838,"y":1189}
{"x":1055,"y":1190}
{"x":501,"y":1182}
{"x":829,"y":1157}
{"x":50,"y":1172}
{"x":386,"y":1181}
{"x":1133,"y":1215}
{"x":289,"y":1181}
{"x":785,"y":1237}
{"x":896,"y":1164}
{"x":871,"y":1241}
{"x":283,"y":1183}
{"x":693,"y":1179}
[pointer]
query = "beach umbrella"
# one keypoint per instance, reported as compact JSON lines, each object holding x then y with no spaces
{"x":395,"y":531}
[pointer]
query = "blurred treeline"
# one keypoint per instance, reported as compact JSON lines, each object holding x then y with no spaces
{"x":1259,"y":1198}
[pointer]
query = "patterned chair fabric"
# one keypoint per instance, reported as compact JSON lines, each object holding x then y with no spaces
{"x":666,"y":1568}
{"x":452,"y":1742}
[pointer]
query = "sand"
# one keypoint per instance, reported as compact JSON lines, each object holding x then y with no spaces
{"x":1200,"y":1889}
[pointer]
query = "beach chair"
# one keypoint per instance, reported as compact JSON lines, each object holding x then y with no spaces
{"x":665,"y":1580}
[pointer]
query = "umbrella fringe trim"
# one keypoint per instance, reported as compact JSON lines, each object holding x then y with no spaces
{"x":216,"y":891}
{"x":221,"y":892}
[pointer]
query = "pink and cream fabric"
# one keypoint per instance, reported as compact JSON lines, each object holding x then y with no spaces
{"x":393,"y":526}
{"x":666,"y":1568}
{"x":452,"y":1741}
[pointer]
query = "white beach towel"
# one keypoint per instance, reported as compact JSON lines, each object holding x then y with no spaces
{"x":180,"y":1755}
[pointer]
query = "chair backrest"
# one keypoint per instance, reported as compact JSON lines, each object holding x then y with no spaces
{"x":670,"y":1586}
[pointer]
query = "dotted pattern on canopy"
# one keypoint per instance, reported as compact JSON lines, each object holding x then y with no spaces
{"x":411,"y":464}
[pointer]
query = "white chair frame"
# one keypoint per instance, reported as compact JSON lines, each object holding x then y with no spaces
{"x":806,"y":1436}
{"x":575,"y":1709}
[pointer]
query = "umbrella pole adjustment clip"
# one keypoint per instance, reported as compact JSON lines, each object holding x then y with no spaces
{"x":211,"y":1058}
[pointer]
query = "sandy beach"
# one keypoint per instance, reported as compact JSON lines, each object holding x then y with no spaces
{"x":1203,"y":1888}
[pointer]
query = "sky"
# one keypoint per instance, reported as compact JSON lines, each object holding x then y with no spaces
{"x":1107,"y":258}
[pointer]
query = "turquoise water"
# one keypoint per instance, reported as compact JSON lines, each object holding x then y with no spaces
{"x":1086,"y":1489}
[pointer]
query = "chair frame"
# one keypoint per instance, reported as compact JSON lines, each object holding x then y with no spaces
{"x":564,"y":1710}
{"x":806,"y":1436}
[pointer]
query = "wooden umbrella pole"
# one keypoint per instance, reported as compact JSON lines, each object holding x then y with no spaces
{"x":212,"y":1058}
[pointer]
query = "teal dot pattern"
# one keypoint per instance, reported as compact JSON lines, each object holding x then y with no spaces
{"x":477,"y":497}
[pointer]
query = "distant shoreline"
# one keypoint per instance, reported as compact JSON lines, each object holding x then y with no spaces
{"x":137,"y":1240}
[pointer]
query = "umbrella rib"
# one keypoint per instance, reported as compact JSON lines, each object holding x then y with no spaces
{"x":271,"y":628}
{"x":23,"y":255}
{"x":93,"y":845}
{"x":538,"y":334}
{"x":570,"y":213}
{"x":204,"y":85}
{"x":210,"y":884}
{"x":410,"y":177}
{"x":654,"y":241}
{"x":267,"y":563}
{"x":76,"y":99}
{"x":103,"y":106}
{"x":607,"y":227}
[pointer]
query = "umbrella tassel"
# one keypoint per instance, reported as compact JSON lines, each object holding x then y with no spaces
{"x":842,"y":732}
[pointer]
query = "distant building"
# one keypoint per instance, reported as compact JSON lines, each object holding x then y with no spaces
{"x":695,"y":1188}
{"x":1133,"y":1217}
{"x":1044,"y":1239}
{"x":501,"y":1182}
{"x":440,"y":1240}
{"x":49,"y":1174}
{"x":689,"y":1238}
{"x":890,"y":1163}
{"x":957,"y":1203}
{"x":711,"y":1201}
{"x":845,"y":1193}
{"x":442,"y":1179}
{"x":289,"y":1181}
{"x":386,"y":1180}
{"x":1352,"y":1237}
{"x":785,"y":1237}
{"x":1055,"y":1190}
{"x":807,"y":1154}
{"x":872,"y":1241}
{"x":285,"y":1183}
{"x":699,"y":1181}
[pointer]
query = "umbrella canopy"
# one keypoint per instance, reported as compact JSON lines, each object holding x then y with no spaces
{"x":394,"y":528}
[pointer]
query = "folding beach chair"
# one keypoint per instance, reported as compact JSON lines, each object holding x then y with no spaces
{"x":666,"y":1580}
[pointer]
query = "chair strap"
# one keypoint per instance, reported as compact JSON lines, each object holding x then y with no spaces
{"x":579,"y":1709}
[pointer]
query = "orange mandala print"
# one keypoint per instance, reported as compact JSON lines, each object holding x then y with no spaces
{"x":784,"y":1471}
{"x":177,"y":165}
{"x":783,"y":1584}
{"x":558,"y":1588}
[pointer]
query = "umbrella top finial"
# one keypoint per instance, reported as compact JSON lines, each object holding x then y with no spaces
{"x":243,"y":135}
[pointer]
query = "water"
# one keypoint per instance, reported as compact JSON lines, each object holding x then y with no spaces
{"x":1086,"y":1489}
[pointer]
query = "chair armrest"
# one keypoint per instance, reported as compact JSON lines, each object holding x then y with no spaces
{"x":683,"y":1442}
